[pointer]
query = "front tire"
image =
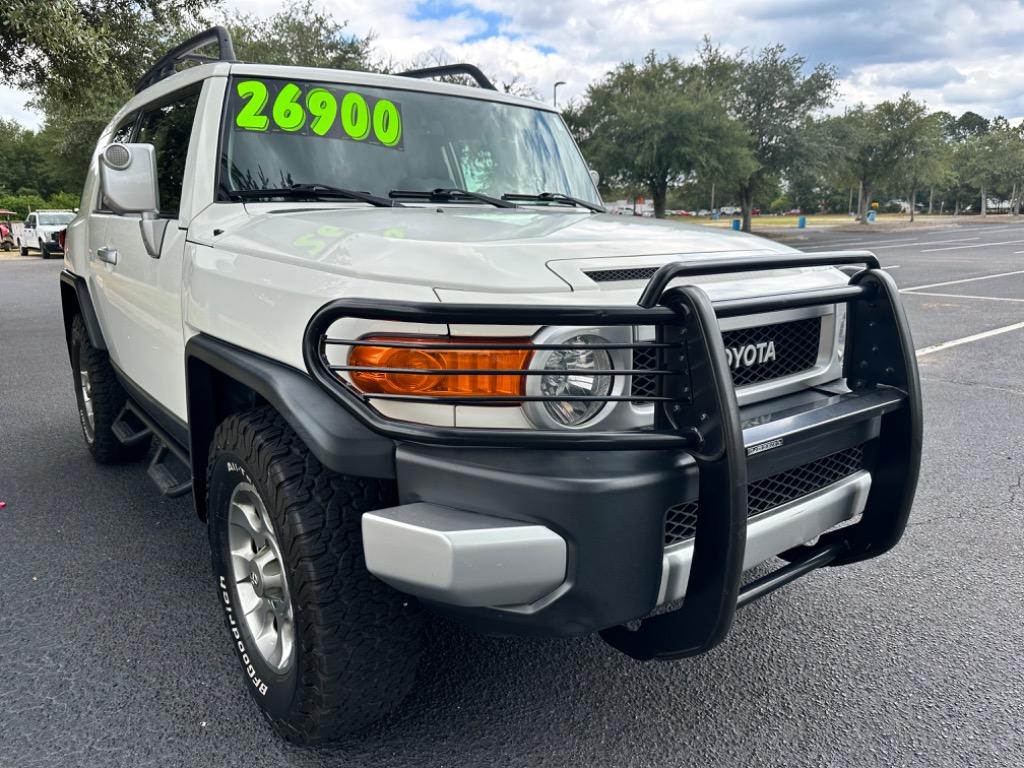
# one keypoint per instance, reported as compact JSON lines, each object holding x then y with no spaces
{"x":100,"y":399}
{"x":325,"y":647}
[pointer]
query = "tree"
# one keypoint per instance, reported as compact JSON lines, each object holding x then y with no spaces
{"x":438,"y":57}
{"x":776,"y":102}
{"x":993,"y":159}
{"x":78,"y":97}
{"x":914,"y":138}
{"x":658,"y":125}
{"x":302,"y":34}
{"x":64,"y":44}
{"x":885,"y":145}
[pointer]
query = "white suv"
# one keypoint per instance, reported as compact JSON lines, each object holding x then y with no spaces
{"x":42,"y":230}
{"x":382,"y":330}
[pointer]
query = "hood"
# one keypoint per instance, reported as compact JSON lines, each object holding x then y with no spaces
{"x":461,"y":248}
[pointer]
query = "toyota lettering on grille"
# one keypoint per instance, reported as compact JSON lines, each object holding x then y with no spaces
{"x":749,"y":355}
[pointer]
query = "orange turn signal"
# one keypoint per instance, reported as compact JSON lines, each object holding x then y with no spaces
{"x":436,"y":371}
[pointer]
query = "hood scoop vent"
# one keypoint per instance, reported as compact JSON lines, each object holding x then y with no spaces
{"x":620,"y":275}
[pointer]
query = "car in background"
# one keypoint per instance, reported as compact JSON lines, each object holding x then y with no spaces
{"x":42,"y":231}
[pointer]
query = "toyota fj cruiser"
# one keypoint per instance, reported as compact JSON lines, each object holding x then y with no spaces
{"x":381,"y":329}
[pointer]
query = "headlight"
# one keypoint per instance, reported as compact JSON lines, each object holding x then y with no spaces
{"x":569,"y":377}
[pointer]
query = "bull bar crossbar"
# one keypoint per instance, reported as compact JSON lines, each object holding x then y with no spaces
{"x":695,"y":410}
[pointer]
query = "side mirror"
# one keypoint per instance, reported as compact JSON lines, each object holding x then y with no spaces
{"x":128,"y":181}
{"x":128,"y":178}
{"x":595,"y":177}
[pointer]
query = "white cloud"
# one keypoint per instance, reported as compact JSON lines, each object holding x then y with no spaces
{"x":13,"y":107}
{"x":955,"y":55}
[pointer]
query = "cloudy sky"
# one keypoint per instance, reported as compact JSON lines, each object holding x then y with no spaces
{"x":954,"y":55}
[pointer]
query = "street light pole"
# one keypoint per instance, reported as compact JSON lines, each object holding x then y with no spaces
{"x":554,"y":93}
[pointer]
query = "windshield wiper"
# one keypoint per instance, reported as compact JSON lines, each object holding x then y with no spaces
{"x":555,"y":197}
{"x":316,"y":190}
{"x":443,"y":194}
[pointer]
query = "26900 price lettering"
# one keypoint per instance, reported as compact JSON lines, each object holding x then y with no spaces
{"x":319,"y":112}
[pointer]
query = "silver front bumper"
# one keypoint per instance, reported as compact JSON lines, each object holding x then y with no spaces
{"x":776,"y":530}
{"x":466,"y":559}
{"x":462,"y":558}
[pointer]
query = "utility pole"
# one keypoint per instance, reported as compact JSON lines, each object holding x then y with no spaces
{"x":712,"y":196}
{"x":554,"y":93}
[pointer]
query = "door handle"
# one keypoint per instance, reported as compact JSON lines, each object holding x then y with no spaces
{"x":108,"y":255}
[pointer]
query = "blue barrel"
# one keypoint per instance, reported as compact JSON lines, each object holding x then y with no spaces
{"x":801,"y":222}
{"x":736,"y":225}
{"x":871,"y":217}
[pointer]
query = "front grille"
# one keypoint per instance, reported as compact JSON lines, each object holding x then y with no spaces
{"x":621,"y":275}
{"x":774,"y":491}
{"x":795,"y":346}
{"x":796,"y":349}
{"x":645,"y":359}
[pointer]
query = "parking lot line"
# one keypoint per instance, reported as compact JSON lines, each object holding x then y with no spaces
{"x":895,"y":243}
{"x":968,"y":339}
{"x":962,"y":280}
{"x":964,"y":296}
{"x":976,"y":245}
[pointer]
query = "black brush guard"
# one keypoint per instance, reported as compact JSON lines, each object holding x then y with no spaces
{"x":695,"y":410}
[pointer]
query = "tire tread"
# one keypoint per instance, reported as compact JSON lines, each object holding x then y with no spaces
{"x":360,"y":639}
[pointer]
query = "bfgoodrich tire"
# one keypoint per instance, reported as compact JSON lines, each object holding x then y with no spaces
{"x":325,"y":647}
{"x":100,"y":399}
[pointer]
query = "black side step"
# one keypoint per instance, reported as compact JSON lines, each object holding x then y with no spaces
{"x":169,"y":468}
{"x":160,"y":472}
{"x":128,"y":428}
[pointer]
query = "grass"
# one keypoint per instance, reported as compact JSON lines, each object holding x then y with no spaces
{"x":814,"y":220}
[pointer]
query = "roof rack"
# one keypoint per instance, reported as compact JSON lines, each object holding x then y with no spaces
{"x":186,"y":51}
{"x":452,"y":69}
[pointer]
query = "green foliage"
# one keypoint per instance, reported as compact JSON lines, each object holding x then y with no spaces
{"x":914,"y":141}
{"x":658,"y":125}
{"x":992,"y":160}
{"x":82,"y":59}
{"x":26,"y":201}
{"x":776,"y":102}
{"x":302,"y":34}
{"x":62,"y":45}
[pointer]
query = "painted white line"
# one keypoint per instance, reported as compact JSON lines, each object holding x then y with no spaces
{"x":963,"y":280}
{"x":962,"y":247}
{"x":965,"y":296}
{"x":891,"y":266}
{"x":968,"y":339}
{"x":859,"y":244}
{"x":895,"y":243}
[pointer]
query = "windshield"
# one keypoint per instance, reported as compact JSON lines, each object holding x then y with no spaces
{"x":54,"y":219}
{"x":285,"y":132}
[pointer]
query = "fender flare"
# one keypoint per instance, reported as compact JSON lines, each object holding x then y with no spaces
{"x":222,"y":379}
{"x":75,"y":300}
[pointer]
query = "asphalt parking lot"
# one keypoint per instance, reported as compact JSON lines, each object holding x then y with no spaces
{"x":113,"y":652}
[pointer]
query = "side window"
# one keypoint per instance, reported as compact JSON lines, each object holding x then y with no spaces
{"x":30,"y":222}
{"x":123,"y":133}
{"x":168,"y":128}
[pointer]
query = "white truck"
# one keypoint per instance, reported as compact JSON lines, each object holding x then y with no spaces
{"x":381,"y":329}
{"x":41,"y":231}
